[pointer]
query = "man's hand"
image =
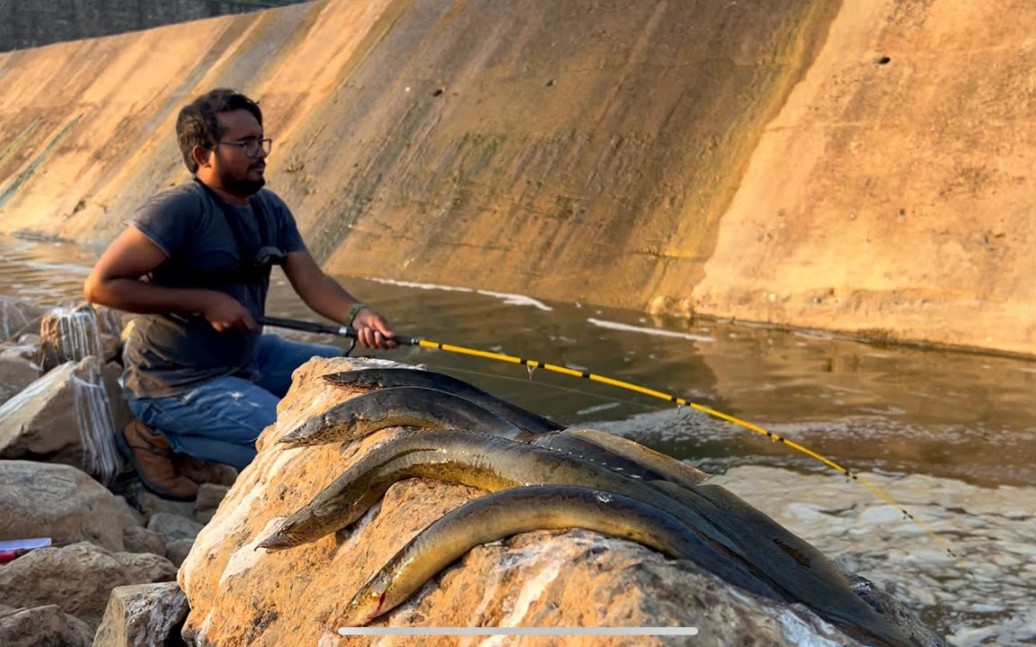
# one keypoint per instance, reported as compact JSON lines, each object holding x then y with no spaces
{"x":225,"y":313}
{"x":373,"y":331}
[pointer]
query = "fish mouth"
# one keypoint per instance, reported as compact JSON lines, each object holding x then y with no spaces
{"x":377,"y":610}
{"x":274,"y":542}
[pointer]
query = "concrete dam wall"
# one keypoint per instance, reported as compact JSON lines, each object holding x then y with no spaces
{"x":863,"y":167}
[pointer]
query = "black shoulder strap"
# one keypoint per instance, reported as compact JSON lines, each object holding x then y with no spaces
{"x":246,"y":250}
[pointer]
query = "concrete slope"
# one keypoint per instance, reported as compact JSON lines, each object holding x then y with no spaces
{"x":850,"y":166}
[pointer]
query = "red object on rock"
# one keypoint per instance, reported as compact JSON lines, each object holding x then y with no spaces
{"x":7,"y":555}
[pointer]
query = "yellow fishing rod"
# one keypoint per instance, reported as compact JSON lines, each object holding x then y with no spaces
{"x":347,"y":331}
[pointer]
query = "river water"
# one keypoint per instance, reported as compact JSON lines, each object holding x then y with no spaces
{"x":948,"y":437}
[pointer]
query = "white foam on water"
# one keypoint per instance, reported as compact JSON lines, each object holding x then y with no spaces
{"x":66,"y":268}
{"x":658,"y":332}
{"x":597,"y":408}
{"x":985,"y":595}
{"x":517,"y":300}
{"x":420,"y":286}
{"x":506,"y":297}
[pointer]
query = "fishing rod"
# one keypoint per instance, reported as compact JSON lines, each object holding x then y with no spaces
{"x":350,"y":332}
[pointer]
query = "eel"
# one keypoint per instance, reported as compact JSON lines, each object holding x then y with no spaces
{"x":397,"y":407}
{"x":805,"y":574}
{"x":523,"y":509}
{"x":368,"y":379}
{"x":494,"y":463}
{"x":620,"y":455}
{"x":668,"y":467}
{"x":475,"y":459}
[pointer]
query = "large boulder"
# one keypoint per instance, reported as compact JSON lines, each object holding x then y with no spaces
{"x":71,"y":333}
{"x":60,"y":502}
{"x":143,"y":615}
{"x":241,"y":595}
{"x":78,"y":578}
{"x":43,"y":626}
{"x":67,"y":416}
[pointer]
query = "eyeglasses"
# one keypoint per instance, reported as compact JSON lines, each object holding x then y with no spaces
{"x":252,"y":146}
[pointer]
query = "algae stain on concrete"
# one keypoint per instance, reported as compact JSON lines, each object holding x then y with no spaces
{"x":16,"y":144}
{"x":13,"y":186}
{"x":725,"y":155}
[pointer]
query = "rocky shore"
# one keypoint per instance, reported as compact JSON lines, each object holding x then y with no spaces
{"x":108,"y":575}
{"x":126,"y":568}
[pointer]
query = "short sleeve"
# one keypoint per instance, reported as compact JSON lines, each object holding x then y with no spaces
{"x":288,"y":237}
{"x":169,"y":218}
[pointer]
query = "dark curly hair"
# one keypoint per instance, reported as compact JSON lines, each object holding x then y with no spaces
{"x":196,"y":125}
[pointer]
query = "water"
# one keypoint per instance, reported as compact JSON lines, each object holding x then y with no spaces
{"x":949,"y":436}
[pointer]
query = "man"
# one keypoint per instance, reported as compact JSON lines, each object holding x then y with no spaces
{"x":195,"y":264}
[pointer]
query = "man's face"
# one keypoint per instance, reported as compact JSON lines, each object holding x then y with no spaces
{"x":239,"y":173}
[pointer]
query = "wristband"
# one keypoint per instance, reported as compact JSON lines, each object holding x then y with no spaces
{"x":355,"y":310}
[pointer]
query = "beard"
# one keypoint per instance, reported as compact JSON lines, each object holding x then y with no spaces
{"x":243,"y":187}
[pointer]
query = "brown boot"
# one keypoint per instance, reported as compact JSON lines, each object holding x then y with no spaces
{"x":152,"y":457}
{"x":201,"y":471}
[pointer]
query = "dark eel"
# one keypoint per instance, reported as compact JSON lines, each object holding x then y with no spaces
{"x":369,"y":379}
{"x":802,"y":565}
{"x":494,"y":463}
{"x":620,"y":455}
{"x":665,"y":466}
{"x":398,"y":407}
{"x":523,"y":509}
{"x":479,"y":460}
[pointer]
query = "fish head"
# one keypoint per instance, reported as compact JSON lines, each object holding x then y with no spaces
{"x":299,"y":435}
{"x":279,"y":540}
{"x":315,"y":430}
{"x":357,"y":380}
{"x":365,"y":606}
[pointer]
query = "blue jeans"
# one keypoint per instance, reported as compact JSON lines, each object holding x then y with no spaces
{"x":219,"y":420}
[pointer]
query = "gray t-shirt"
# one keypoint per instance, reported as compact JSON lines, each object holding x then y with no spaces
{"x":167,"y":354}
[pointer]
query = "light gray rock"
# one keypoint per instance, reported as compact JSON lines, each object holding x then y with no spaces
{"x":143,"y":615}
{"x":16,"y":370}
{"x":177,"y":551}
{"x":130,"y":515}
{"x":138,"y":539}
{"x":173,"y":527}
{"x":65,"y":417}
{"x":151,"y":504}
{"x":210,"y":495}
{"x":60,"y":502}
{"x":43,"y":626}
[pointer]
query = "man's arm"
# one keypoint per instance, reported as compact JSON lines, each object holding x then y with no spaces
{"x":326,"y":297}
{"x":115,"y":281}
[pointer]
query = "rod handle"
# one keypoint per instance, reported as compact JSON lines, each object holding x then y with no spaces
{"x":342,"y":331}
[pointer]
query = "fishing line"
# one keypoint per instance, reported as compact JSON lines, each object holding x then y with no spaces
{"x":556,"y":387}
{"x":531,"y":364}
